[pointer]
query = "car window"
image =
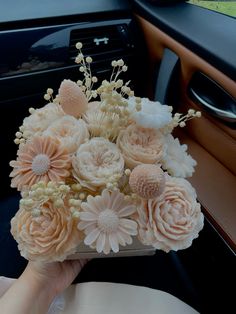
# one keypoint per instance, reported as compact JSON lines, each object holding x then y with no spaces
{"x":227,"y":7}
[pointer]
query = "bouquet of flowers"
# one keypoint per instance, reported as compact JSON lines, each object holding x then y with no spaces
{"x":100,"y":166}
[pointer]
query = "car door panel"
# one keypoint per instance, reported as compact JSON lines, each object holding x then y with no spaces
{"x":211,"y":142}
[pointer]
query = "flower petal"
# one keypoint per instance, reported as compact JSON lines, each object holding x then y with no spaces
{"x":124,"y":238}
{"x":92,"y":237}
{"x":101,"y":242}
{"x":128,"y":223}
{"x":85,"y":224}
{"x":127,"y":211}
{"x":113,"y":242}
{"x":88,"y":216}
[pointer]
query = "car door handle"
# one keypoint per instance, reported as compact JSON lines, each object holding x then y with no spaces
{"x":212,"y":98}
{"x":225,"y":115}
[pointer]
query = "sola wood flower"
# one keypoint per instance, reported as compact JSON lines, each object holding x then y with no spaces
{"x":96,"y":161}
{"x":147,"y":181}
{"x":40,"y":159}
{"x":103,"y":222}
{"x":100,"y":123}
{"x":40,"y":119}
{"x":173,"y":220}
{"x":72,"y":99}
{"x":152,"y":114}
{"x":141,"y":146}
{"x":70,"y":131}
{"x":51,"y":236}
{"x":176,"y":161}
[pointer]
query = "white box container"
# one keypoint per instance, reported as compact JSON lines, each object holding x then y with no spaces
{"x":135,"y":249}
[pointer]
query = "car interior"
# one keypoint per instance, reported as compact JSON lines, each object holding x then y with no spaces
{"x":178,"y":54}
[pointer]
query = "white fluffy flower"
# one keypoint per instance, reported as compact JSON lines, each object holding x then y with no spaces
{"x":106,"y":223}
{"x":176,"y":160}
{"x":70,"y":131}
{"x":152,"y":115}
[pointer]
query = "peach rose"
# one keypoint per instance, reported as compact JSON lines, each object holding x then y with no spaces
{"x":51,"y":236}
{"x":141,"y":146}
{"x":173,"y":220}
{"x":41,"y":119}
{"x":70,"y":131}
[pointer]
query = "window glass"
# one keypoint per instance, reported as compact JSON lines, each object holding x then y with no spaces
{"x":227,"y":7}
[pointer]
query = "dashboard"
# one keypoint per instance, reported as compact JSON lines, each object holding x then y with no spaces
{"x":37,"y":41}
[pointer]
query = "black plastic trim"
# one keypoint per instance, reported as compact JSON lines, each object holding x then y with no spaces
{"x":212,"y":98}
{"x":167,"y":69}
{"x":209,"y":34}
{"x":23,"y":10}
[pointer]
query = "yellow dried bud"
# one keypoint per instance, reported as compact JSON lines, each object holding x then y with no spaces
{"x":47,"y":97}
{"x":50,"y":91}
{"x":89,"y":60}
{"x":79,"y":45}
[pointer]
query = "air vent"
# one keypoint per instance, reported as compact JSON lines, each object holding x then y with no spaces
{"x":102,"y":43}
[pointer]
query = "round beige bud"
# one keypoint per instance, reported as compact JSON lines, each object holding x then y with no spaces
{"x":147,"y":181}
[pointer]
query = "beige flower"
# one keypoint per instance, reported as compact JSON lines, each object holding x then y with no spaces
{"x":147,"y":181}
{"x":70,"y":131}
{"x":141,"y":146}
{"x":51,"y":236}
{"x":96,"y":161}
{"x":104,"y":223}
{"x":72,"y":99}
{"x":40,"y":159}
{"x":41,"y":119}
{"x":102,"y":124}
{"x":177,"y":161}
{"x":172,"y":221}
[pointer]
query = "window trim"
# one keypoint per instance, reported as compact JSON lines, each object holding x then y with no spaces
{"x":199,"y":29}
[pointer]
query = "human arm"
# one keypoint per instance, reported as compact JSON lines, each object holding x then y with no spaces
{"x":38,"y":285}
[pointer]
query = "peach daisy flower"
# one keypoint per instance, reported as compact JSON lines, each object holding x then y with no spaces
{"x":104,"y":223}
{"x":40,"y":159}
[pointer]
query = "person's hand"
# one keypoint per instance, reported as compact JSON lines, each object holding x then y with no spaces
{"x":55,"y":276}
{"x":36,"y":288}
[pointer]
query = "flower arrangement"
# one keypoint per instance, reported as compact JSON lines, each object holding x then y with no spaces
{"x":101,"y":166}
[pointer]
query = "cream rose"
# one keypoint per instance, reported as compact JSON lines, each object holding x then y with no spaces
{"x":172,"y":221}
{"x":40,"y":119}
{"x":141,"y":146}
{"x":96,"y":161}
{"x":70,"y":131}
{"x":51,"y":236}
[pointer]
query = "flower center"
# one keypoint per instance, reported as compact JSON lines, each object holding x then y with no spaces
{"x":108,"y":221}
{"x":40,"y":164}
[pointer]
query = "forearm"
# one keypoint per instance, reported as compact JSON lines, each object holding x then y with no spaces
{"x":26,"y":296}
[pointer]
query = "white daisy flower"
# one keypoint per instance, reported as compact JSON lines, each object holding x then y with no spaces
{"x":104,"y":223}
